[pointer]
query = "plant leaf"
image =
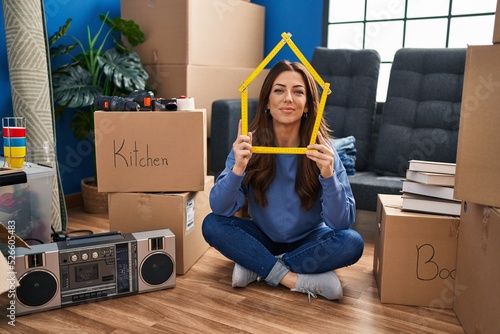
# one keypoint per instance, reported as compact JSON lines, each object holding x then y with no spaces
{"x":128,"y":28}
{"x":61,"y":49}
{"x":73,"y":87}
{"x":60,"y":33}
{"x":83,"y":123}
{"x":125,"y":69}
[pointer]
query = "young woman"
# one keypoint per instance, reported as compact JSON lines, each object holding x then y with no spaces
{"x":301,"y":205}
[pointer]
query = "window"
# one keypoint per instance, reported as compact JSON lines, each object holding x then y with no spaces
{"x":388,"y":25}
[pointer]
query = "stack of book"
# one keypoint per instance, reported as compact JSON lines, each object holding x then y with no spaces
{"x":428,"y":187}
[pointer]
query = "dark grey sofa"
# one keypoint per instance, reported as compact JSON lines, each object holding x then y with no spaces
{"x":419,"y":119}
{"x":349,"y":110}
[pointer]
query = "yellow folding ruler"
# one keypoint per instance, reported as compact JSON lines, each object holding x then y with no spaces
{"x":244,"y":97}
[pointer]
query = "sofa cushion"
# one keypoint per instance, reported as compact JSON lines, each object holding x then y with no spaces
{"x":422,"y":110}
{"x":349,"y":110}
{"x":226,"y":114}
{"x":367,"y":185}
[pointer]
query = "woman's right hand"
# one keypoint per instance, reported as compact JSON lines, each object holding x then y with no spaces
{"x":242,"y":151}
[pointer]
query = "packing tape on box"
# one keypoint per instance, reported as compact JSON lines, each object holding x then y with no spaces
{"x":486,"y":228}
{"x":185,"y":103}
{"x":454,"y":227}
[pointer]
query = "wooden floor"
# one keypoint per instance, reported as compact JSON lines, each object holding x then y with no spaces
{"x":203,"y":301}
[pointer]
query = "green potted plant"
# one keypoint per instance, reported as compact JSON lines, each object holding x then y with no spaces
{"x":91,"y":71}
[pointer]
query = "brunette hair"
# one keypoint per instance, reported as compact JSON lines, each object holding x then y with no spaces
{"x":262,"y":167}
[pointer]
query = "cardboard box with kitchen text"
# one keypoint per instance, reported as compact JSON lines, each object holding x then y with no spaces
{"x":415,"y":255}
{"x":477,"y":289}
{"x":205,"y":83}
{"x":477,"y":178}
{"x":151,"y":151}
{"x":182,"y":213}
{"x":198,"y":32}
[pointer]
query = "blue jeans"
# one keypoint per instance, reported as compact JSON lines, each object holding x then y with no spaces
{"x":243,"y":242}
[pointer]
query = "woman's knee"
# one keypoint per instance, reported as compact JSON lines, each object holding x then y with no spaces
{"x":208,"y":226}
{"x":356,"y":244}
{"x":215,"y":227}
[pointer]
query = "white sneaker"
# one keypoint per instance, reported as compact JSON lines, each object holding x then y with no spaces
{"x":242,"y":276}
{"x":325,"y":284}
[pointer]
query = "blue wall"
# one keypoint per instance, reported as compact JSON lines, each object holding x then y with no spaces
{"x":302,"y":18}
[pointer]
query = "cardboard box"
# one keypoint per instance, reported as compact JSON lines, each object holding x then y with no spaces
{"x":496,"y":28}
{"x":29,"y":204}
{"x":477,"y":178}
{"x":205,"y":83}
{"x":198,"y":32}
{"x":151,"y":151}
{"x":478,"y":269}
{"x":182,"y":213}
{"x":414,"y":256}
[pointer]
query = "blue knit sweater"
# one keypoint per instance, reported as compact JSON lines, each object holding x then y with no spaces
{"x":283,"y":220}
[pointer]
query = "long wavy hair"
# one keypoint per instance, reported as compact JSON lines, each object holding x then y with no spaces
{"x":261,"y":168}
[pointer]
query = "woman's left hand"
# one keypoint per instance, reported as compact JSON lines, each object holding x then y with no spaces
{"x":322,"y":154}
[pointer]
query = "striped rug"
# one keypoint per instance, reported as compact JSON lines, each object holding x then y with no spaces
{"x":29,"y":71}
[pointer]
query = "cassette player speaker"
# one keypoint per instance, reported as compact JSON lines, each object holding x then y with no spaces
{"x":156,"y":266}
{"x":92,"y":268}
{"x":38,"y":275}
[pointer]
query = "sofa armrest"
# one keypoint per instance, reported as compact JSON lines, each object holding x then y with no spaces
{"x":226,"y":113}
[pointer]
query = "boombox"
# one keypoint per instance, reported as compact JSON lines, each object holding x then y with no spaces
{"x":92,"y":268}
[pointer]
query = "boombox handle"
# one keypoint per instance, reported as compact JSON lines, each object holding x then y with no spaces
{"x":98,"y":237}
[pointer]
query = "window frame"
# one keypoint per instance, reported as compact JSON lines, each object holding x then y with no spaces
{"x":449,"y":17}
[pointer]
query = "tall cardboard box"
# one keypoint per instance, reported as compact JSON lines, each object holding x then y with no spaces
{"x":182,"y":213}
{"x":205,"y":83}
{"x":151,"y":151}
{"x":496,"y":28}
{"x":477,"y":178}
{"x":414,"y":256}
{"x":477,"y":288}
{"x":198,"y":32}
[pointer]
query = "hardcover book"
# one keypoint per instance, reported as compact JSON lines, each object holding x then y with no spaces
{"x":432,"y":166}
{"x":438,"y":179}
{"x":427,"y":204}
{"x":428,"y":190}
